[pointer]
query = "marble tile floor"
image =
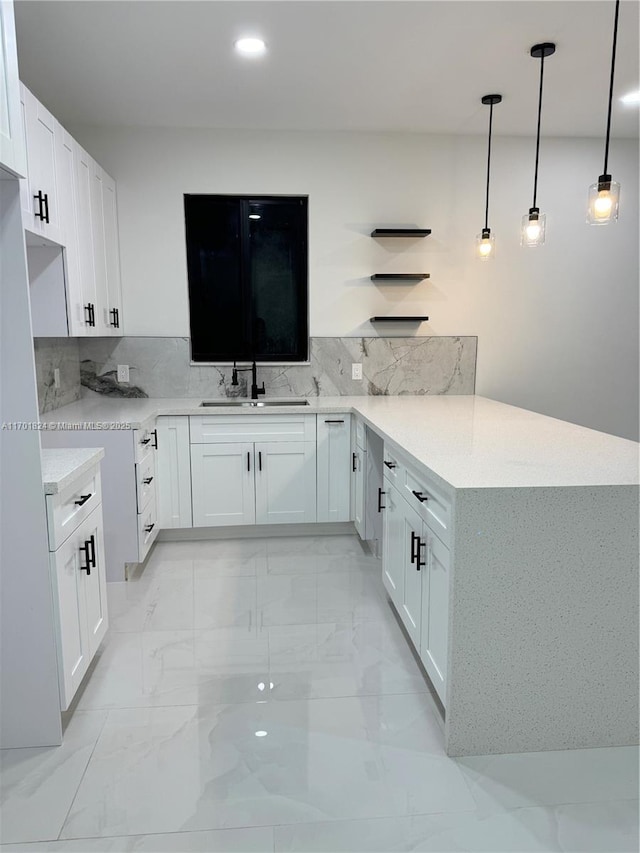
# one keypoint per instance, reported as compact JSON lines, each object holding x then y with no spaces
{"x":258,"y":695}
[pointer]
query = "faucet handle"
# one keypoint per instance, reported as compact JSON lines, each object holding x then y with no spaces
{"x":261,"y":390}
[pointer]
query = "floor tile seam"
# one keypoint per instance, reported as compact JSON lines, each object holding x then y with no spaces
{"x":84,"y":773}
{"x":76,"y":838}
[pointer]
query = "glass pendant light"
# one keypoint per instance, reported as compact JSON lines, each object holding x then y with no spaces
{"x":605,"y":194}
{"x":485,"y":242}
{"x":534,"y":222}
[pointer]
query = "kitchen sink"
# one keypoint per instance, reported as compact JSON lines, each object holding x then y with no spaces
{"x":253,"y":404}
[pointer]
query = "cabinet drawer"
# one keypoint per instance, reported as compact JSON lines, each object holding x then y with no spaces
{"x":144,"y":440}
{"x":430,"y":503}
{"x":145,"y":480}
{"x":227,"y":429}
{"x":147,"y":529}
{"x":67,"y":509}
{"x":392,"y":467}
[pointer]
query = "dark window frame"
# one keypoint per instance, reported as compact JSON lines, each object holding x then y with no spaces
{"x":246,"y":352}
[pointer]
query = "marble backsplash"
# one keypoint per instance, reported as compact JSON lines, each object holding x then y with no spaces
{"x":63,"y":354}
{"x":160,"y":367}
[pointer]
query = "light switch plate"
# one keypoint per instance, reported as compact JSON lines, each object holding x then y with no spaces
{"x":123,"y":373}
{"x":356,"y":371}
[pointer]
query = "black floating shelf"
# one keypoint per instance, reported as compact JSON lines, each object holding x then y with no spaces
{"x":401,"y":232}
{"x":398,"y":319}
{"x":400,"y":276}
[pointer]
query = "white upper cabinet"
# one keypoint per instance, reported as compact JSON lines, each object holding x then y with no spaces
{"x":13,"y":155}
{"x":112,"y":256}
{"x":40,"y":206}
{"x":86,"y":319}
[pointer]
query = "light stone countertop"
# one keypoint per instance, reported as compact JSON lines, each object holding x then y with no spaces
{"x":60,"y":467}
{"x":468,"y":442}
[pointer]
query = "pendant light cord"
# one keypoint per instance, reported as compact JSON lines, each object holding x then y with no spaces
{"x":613,"y":71}
{"x":535,"y":176}
{"x":486,"y":209}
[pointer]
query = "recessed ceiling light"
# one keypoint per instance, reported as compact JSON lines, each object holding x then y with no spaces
{"x":632,"y":99}
{"x":250,"y":46}
{"x":254,"y":216}
{"x":261,"y":734}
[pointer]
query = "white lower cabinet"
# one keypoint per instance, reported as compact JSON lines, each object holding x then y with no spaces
{"x":333,"y":467}
{"x":222,"y":478}
{"x":285,"y":478}
{"x":80,"y":597}
{"x":173,"y":467}
{"x":416,"y":564}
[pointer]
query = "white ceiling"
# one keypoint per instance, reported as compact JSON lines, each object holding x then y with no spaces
{"x":420,"y":65}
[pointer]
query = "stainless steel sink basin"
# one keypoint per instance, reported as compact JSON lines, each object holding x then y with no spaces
{"x":252,"y":404}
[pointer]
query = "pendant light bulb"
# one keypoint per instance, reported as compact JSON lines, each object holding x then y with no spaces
{"x":485,"y":245}
{"x":534,"y":223}
{"x":605,"y":194}
{"x":485,"y":242}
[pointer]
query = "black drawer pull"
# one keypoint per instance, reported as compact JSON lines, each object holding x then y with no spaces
{"x":90,"y":555}
{"x":334,"y":422}
{"x":390,"y":465}
{"x":147,"y":480}
{"x":420,"y":564}
{"x":422,"y":498}
{"x":145,"y":440}
{"x":354,"y":463}
{"x":380,"y":494}
{"x":154,"y":433}
{"x":83,"y":499}
{"x":149,"y":527}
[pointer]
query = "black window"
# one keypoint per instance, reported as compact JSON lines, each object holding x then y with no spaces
{"x":247,"y":269}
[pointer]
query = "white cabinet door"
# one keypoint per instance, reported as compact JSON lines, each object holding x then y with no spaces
{"x":173,"y":472}
{"x":359,"y":489}
{"x":95,"y":582}
{"x":68,"y":592}
{"x":83,"y":166}
{"x":414,"y":563}
{"x":13,"y":156}
{"x":222,"y":484}
{"x":333,"y":470}
{"x":41,"y":206}
{"x":285,"y":482}
{"x":112,"y":256}
{"x":67,"y":203}
{"x":435,"y":612}
{"x":102,"y":326}
{"x":393,"y":552}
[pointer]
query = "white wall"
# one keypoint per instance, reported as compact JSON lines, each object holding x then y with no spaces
{"x":557,"y":326}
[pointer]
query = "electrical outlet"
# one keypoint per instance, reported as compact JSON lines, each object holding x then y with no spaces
{"x":356,"y":371}
{"x":123,"y":373}
{"x":56,"y":377}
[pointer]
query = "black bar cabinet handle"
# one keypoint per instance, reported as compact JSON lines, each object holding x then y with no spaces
{"x":354,"y":462}
{"x":89,"y":314}
{"x":248,"y":461}
{"x":413,"y":547}
{"x":115,"y":322}
{"x":154,"y":433}
{"x":46,"y":208}
{"x":87,"y":552}
{"x":83,"y":499}
{"x":145,"y":440}
{"x":380,"y":494}
{"x":422,"y":498}
{"x":390,"y":465}
{"x":39,"y":214}
{"x":147,"y":480}
{"x":334,"y":422}
{"x":92,"y":541}
{"x":420,"y":564}
{"x":149,"y":527}
{"x":259,"y":460}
